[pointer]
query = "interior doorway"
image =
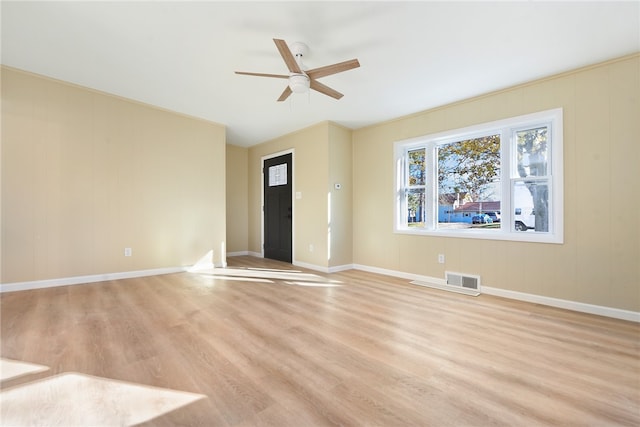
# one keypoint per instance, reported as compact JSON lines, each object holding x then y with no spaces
{"x":277,"y":210}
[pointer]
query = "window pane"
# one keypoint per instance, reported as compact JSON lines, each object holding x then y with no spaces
{"x":417,"y":167}
{"x":416,"y":211}
{"x":278,"y":175}
{"x":532,"y":152}
{"x":531,"y":205}
{"x":469,"y":183}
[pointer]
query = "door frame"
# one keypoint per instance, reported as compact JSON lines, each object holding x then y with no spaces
{"x":293,"y":197}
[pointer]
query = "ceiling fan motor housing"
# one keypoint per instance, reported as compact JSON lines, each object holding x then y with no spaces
{"x":299,"y":49}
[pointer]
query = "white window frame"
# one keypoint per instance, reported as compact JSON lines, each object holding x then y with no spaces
{"x":508,"y":176}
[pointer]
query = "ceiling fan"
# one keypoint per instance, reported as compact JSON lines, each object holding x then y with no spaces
{"x":300,"y":80}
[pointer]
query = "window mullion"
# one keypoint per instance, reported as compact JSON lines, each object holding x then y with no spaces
{"x":506,"y":159}
{"x":431,"y":186}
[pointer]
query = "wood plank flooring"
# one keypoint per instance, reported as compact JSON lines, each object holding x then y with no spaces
{"x":268,"y":344}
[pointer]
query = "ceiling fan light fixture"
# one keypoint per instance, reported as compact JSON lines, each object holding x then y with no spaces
{"x":299,"y":83}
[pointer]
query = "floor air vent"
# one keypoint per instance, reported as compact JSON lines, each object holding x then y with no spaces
{"x":463,"y":280}
{"x":456,"y":282}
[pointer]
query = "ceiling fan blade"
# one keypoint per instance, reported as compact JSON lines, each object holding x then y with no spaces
{"x":286,"y":54}
{"x":285,"y":94}
{"x":279,"y":76}
{"x":316,"y":85}
{"x":333,"y":69}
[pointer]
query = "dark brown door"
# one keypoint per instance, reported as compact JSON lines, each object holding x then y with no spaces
{"x":277,"y":208}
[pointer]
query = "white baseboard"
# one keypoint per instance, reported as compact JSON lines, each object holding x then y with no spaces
{"x":310,"y":266}
{"x":396,"y":273}
{"x":241,"y":253}
{"x":339,"y":268}
{"x":66,"y":281}
{"x":599,"y":310}
{"x":323,"y":269}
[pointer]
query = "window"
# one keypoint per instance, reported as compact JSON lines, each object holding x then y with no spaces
{"x":500,"y":180}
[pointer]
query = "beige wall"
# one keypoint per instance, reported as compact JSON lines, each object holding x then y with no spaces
{"x":85,"y":175}
{"x":599,"y":261}
{"x":340,"y":172}
{"x":237,"y":199}
{"x":322,"y":157}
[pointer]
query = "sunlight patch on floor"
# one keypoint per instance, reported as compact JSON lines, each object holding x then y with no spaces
{"x":272,"y":269}
{"x":204,"y":263}
{"x":74,"y":399}
{"x":237,"y":278}
{"x":290,"y":277}
{"x":10,"y":369}
{"x":314,"y":284}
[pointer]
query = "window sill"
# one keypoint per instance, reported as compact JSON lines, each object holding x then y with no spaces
{"x":516,"y":236}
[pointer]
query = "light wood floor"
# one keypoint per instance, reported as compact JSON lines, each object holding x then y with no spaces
{"x":352,"y":348}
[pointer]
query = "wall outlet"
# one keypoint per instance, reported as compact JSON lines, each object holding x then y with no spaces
{"x":310,"y":248}
{"x":441,"y":258}
{"x":127,"y":252}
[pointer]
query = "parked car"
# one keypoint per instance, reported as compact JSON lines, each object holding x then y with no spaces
{"x":481,"y":219}
{"x":525,"y":219}
{"x":495,"y":216}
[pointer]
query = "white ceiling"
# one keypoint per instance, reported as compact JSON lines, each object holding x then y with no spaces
{"x":414,"y":55}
